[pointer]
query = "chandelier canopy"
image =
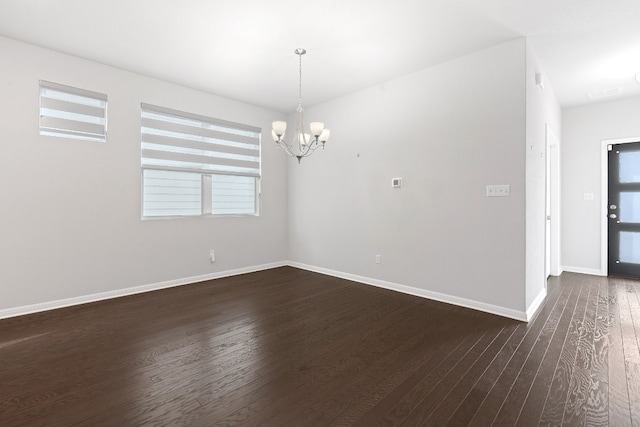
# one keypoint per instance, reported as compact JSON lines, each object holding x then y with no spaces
{"x":302,"y":144}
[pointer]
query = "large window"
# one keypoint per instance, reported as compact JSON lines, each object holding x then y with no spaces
{"x":197,"y":166}
{"x":69,"y":112}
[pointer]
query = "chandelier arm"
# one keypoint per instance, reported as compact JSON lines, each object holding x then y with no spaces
{"x":287,"y":148}
{"x":303,"y":152}
{"x":310,"y":149}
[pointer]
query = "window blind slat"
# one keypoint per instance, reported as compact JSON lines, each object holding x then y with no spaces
{"x":73,"y":90}
{"x":198,"y":145}
{"x":198,"y":131}
{"x":71,"y":134}
{"x":249,"y":172}
{"x":155,"y":164}
{"x":71,"y":107}
{"x":194,"y":158}
{"x":73,"y":126}
{"x":191,"y":116}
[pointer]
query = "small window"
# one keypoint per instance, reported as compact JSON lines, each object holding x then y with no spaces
{"x":70,"y":112}
{"x":197,"y":166}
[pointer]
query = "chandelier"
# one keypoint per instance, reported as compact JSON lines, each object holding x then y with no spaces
{"x":302,"y":144}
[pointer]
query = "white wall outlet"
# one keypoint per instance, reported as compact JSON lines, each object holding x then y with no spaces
{"x":378,"y":259}
{"x":212,"y":255}
{"x":396,"y":182}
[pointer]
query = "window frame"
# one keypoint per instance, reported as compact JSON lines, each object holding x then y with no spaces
{"x":206,"y":175}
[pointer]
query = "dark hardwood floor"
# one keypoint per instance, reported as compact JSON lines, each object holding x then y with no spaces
{"x":287,"y":347}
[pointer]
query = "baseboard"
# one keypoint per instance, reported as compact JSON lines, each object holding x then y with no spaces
{"x":449,"y":299}
{"x":36,"y":308}
{"x":436,"y":296}
{"x":590,"y":271}
{"x":535,"y":305}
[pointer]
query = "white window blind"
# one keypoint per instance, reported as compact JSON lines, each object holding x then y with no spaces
{"x":196,"y":165}
{"x":70,"y":112}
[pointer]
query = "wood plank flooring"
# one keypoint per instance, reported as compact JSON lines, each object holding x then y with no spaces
{"x":287,"y":347}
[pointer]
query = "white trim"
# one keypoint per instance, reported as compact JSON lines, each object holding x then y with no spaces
{"x":35,"y":308}
{"x":604,"y":199}
{"x":554,"y":162}
{"x":581,"y":270}
{"x":536,"y":304}
{"x":449,"y":299}
{"x":423,"y":293}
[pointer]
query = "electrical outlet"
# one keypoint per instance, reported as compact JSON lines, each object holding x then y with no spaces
{"x":212,"y":255}
{"x":378,"y":259}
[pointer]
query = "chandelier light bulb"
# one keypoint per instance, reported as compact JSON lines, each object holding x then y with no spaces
{"x":279,"y":128}
{"x":304,"y":139}
{"x":324,"y":136}
{"x":316,"y":128}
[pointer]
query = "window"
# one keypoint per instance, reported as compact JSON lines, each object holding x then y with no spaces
{"x":197,"y":166}
{"x":70,"y":112}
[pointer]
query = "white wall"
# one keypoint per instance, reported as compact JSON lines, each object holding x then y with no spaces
{"x":542,"y":109}
{"x":448,"y":131}
{"x":70,"y":213}
{"x":583,"y":130}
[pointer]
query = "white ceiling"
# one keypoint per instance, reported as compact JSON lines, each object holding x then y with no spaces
{"x":243,"y":49}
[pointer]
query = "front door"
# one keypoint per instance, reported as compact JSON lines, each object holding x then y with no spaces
{"x":624,"y":210}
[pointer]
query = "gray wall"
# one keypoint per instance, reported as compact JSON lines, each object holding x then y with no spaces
{"x":71,"y":209}
{"x":448,"y":131}
{"x":583,"y":130}
{"x":70,"y":214}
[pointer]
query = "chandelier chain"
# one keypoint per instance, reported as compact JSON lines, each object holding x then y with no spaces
{"x":300,"y":80}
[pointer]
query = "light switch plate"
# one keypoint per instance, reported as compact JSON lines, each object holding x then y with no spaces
{"x":502,"y":190}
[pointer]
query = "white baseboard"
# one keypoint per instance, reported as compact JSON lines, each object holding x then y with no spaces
{"x":557,"y":273}
{"x":35,"y":308}
{"x":450,"y":299}
{"x":590,"y":271}
{"x":535,"y":305}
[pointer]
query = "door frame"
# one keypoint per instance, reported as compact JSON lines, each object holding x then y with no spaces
{"x":552,"y":204}
{"x":604,"y":199}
